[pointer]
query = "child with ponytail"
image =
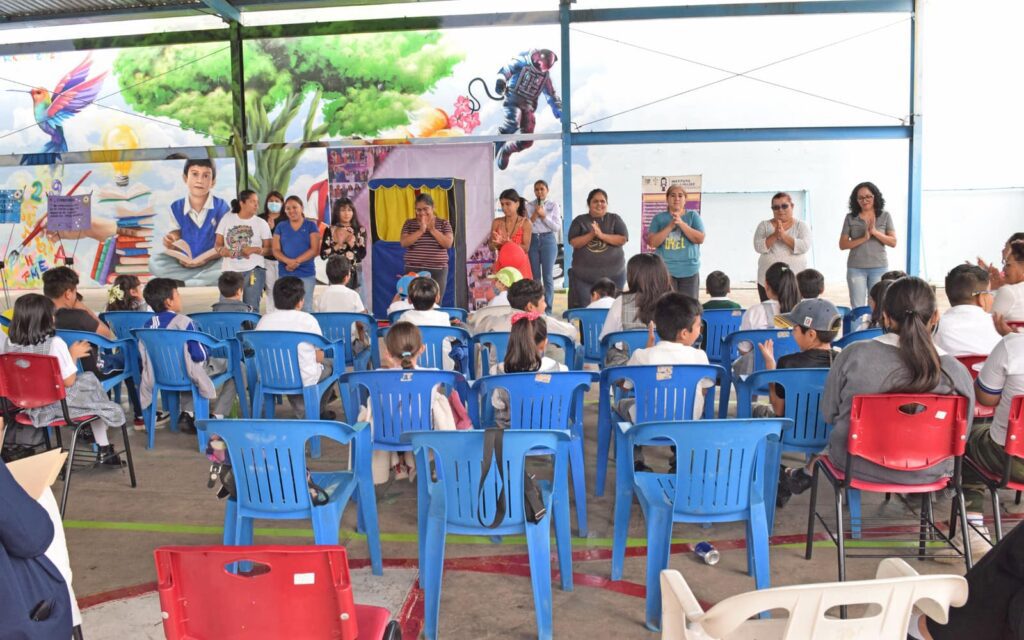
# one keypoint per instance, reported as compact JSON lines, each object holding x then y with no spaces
{"x":783,"y":294}
{"x":525,"y":354}
{"x":125,"y":294}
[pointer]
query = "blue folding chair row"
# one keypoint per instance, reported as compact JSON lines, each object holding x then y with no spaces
{"x":784,"y":344}
{"x":491,"y":346}
{"x":589,"y":322}
{"x":716,"y":325}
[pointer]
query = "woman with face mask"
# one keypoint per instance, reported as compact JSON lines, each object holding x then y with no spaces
{"x":273,"y":211}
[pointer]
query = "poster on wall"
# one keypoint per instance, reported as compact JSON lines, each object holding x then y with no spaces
{"x":653,"y":190}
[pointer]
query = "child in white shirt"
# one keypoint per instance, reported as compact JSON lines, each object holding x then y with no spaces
{"x":603,"y":294}
{"x":424,"y":294}
{"x":967,"y":328}
{"x":289,"y":296}
{"x":401,"y":302}
{"x":526,"y":344}
{"x":338,"y":297}
{"x":783,"y":293}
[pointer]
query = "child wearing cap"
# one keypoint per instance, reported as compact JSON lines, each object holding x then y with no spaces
{"x":503,"y":279}
{"x":401,"y":302}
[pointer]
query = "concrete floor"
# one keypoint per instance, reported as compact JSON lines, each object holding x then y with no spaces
{"x":113,"y":529}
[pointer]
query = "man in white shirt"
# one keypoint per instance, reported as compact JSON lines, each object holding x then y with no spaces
{"x":289,"y":295}
{"x":967,"y":327}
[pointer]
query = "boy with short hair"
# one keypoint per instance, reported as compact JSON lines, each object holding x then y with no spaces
{"x":526,"y":295}
{"x":338,"y":297}
{"x":717,"y":285}
{"x":603,"y":294}
{"x":289,"y":296}
{"x":162,"y":296}
{"x":230,"y":286}
{"x":424,"y":295}
{"x":677,"y":320}
{"x":401,"y":300}
{"x":811,"y":283}
{"x":967,"y":327}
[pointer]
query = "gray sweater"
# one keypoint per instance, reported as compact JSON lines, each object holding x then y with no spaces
{"x":872,"y":366}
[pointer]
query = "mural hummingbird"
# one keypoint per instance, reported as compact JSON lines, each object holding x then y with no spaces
{"x":72,"y":94}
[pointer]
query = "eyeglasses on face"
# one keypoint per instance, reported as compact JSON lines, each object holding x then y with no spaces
{"x":867,"y":197}
{"x":780,"y":207}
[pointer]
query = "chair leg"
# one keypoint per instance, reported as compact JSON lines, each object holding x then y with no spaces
{"x":431,"y":572}
{"x":367,"y":507}
{"x":853,"y":505}
{"x":962,"y":508}
{"x":326,"y":523}
{"x":924,"y":525}
{"x":659,"y":534}
{"x":997,"y":519}
{"x":149,"y":418}
{"x":809,"y":549}
{"x":604,"y":436}
{"x":128,"y":454}
{"x":579,"y":484}
{"x":563,"y":534}
{"x":1016,"y":500}
{"x":67,"y":471}
{"x":841,"y":542}
{"x":623,"y":506}
{"x":758,"y":543}
{"x":230,"y":522}
{"x":538,"y":544}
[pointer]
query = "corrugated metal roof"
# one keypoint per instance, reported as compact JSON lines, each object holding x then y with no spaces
{"x":22,"y":10}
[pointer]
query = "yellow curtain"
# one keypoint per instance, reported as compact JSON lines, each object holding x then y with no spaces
{"x":395,"y":205}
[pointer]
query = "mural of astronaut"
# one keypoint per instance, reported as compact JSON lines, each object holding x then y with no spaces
{"x":522,"y":81}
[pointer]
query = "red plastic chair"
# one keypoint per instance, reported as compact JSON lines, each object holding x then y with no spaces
{"x":285,"y":592}
{"x":30,"y":381}
{"x":974,"y":364}
{"x":1016,"y":326}
{"x":903,"y":432}
{"x":1014,"y":448}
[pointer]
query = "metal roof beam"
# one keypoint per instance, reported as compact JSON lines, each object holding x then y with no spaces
{"x":752,"y":9}
{"x":224,"y":9}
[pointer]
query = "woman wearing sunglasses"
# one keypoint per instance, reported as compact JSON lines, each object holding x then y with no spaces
{"x":781,"y":238}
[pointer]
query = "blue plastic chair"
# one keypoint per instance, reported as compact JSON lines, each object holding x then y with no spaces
{"x":166,"y":351}
{"x":269,"y":464}
{"x":225,"y":325}
{"x":723,"y":480}
{"x":543,"y":401}
{"x":5,"y":322}
{"x":399,"y":400}
{"x":633,"y":339}
{"x":122,"y":323}
{"x":842,"y":310}
{"x":127,"y":376}
{"x":454,"y":503}
{"x":590,"y":322}
{"x":716,"y":325}
{"x":434,"y":339}
{"x":662,"y":392}
{"x":855,"y":336}
{"x":784,"y":344}
{"x":852,"y":316}
{"x":455,"y":313}
{"x":489,"y":345}
{"x":337,"y":327}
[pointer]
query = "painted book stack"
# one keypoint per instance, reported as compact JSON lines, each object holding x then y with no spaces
{"x":128,"y":251}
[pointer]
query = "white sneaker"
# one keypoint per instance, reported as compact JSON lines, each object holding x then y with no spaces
{"x":976,"y":537}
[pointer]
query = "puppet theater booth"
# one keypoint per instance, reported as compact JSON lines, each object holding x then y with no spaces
{"x":392,"y":202}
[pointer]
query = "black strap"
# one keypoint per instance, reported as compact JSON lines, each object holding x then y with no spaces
{"x":493,"y":439}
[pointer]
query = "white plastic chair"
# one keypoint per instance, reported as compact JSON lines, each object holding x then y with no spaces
{"x":897,"y":589}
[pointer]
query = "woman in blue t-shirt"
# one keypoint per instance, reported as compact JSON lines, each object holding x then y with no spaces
{"x":676,"y":236}
{"x":296,"y":243}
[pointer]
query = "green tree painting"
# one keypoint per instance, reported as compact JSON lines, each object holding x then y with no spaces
{"x":360,"y":84}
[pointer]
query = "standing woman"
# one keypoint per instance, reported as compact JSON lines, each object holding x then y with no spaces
{"x":345,"y":237}
{"x":676,"y":236}
{"x":546,"y":218}
{"x":273,"y":212}
{"x":867,"y":231}
{"x":243,"y":240}
{"x":426,"y":239}
{"x":296,"y":243}
{"x":1009,"y":302}
{"x":782,"y":238}
{"x":514,"y":226}
{"x":597,"y":238}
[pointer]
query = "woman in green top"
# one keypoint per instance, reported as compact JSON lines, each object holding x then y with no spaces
{"x":676,"y":236}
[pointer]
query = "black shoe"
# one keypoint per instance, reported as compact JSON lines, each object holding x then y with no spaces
{"x":85,"y":435}
{"x":186,"y":423}
{"x":107,"y":457}
{"x":784,"y":494}
{"x":162,"y":416}
{"x":797,"y":481}
{"x":639,"y":465}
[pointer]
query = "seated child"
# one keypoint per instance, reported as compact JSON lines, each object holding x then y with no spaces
{"x":783,"y":294}
{"x":162,"y":296}
{"x":526,"y":345}
{"x":967,"y":327}
{"x":503,"y":279}
{"x":229,"y":283}
{"x":811,"y":284}
{"x":125,"y":294}
{"x":603,"y":294}
{"x":424,"y":295}
{"x":677,"y":321}
{"x":717,"y":285}
{"x":875,"y":299}
{"x":34,"y":330}
{"x":895,"y":274}
{"x":525,"y":295}
{"x":289,"y":296}
{"x":338,"y":297}
{"x":403,"y":345}
{"x":400,"y":302}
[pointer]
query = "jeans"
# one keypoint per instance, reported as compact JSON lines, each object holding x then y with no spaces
{"x":543,"y":251}
{"x":309,"y":284}
{"x":253,"y":282}
{"x":690,"y":285}
{"x":860,"y":282}
{"x":270,"y":279}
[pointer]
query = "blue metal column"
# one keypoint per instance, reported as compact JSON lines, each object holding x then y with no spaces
{"x":567,"y":212}
{"x":914,"y":186}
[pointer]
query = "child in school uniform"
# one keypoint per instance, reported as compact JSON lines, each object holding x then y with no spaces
{"x":526,"y":344}
{"x":339,"y":297}
{"x":424,"y":294}
{"x":967,"y":328}
{"x":401,"y":300}
{"x":34,"y":330}
{"x":677,"y":322}
{"x":603,"y":294}
{"x":230,"y":284}
{"x":718,"y":287}
{"x":811,"y":284}
{"x":783,"y":294}
{"x":162,"y":296}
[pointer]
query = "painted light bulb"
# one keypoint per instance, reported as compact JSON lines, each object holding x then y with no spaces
{"x":121,"y":137}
